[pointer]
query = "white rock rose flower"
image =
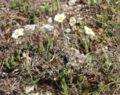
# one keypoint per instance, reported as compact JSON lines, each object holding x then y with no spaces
{"x":17,"y":33}
{"x":60,"y":17}
{"x":89,"y":31}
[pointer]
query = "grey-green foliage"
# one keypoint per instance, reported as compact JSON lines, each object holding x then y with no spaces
{"x":12,"y":61}
{"x":52,"y":7}
{"x":21,"y":5}
{"x":64,"y":80}
{"x":26,"y":8}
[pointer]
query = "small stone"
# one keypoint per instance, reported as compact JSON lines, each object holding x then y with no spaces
{"x":47,"y":28}
{"x":68,"y":30}
{"x":30,"y":27}
{"x":29,"y":89}
{"x":72,"y":2}
{"x":50,"y":20}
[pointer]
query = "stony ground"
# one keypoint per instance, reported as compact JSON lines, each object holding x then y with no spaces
{"x":50,"y":60}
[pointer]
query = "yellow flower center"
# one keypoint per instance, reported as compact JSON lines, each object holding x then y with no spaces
{"x":89,"y":30}
{"x":60,"y":18}
{"x":17,"y":33}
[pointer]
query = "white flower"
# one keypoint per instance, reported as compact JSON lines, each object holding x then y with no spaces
{"x":89,"y":31}
{"x":47,"y":27}
{"x":30,"y":27}
{"x":72,"y":21}
{"x":50,"y":20}
{"x":68,"y":30}
{"x":17,"y":33}
{"x":60,"y":17}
